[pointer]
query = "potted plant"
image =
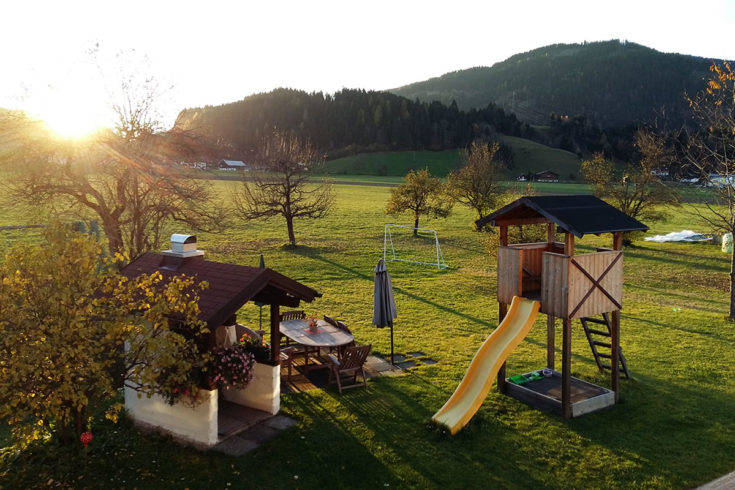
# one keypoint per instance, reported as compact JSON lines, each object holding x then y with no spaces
{"x":230,"y":367}
{"x":312,"y":322}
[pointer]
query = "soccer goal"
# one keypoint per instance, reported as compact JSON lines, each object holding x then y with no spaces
{"x":14,"y":235}
{"x":413,"y":245}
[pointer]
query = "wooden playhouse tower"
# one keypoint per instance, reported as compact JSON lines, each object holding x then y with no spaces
{"x":586,"y":287}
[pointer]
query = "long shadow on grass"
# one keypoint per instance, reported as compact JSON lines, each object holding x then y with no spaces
{"x":668,"y":293}
{"x":433,"y":304}
{"x":684,"y":263}
{"x":350,"y":460}
{"x":422,"y":300}
{"x":725,"y":259}
{"x":680,"y":435}
{"x":679,"y":328}
{"x":395,"y":421}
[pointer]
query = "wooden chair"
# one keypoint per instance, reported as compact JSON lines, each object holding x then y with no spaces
{"x":290,"y":315}
{"x":287,"y":356}
{"x":352,"y":362}
{"x":293,"y":315}
{"x":242,"y":330}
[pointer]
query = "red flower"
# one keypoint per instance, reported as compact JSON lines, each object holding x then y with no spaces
{"x":86,"y":438}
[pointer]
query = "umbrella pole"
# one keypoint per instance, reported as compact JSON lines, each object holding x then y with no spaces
{"x":391,"y":344}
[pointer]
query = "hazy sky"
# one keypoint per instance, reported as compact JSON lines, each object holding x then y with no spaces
{"x":213,"y":52}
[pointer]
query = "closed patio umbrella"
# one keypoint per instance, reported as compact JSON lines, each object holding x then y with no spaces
{"x":258,"y":303}
{"x":384,"y":305}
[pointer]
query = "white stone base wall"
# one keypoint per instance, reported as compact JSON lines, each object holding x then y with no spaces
{"x":263,"y":392}
{"x":196,"y":424}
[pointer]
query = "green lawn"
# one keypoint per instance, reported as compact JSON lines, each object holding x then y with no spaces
{"x":395,"y":164}
{"x":528,"y":156}
{"x":674,"y":426}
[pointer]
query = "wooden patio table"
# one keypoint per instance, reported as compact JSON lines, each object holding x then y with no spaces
{"x":324,"y":335}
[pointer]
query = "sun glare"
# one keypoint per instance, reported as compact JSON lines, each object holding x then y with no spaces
{"x":71,"y":109}
{"x":69,"y":121}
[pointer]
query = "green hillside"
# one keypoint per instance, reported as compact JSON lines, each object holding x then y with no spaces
{"x":395,"y":164}
{"x":528,"y":156}
{"x":613,"y":83}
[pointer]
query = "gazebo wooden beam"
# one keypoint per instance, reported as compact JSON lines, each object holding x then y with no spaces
{"x":521,"y":221}
{"x":271,"y":296}
{"x":275,"y":334}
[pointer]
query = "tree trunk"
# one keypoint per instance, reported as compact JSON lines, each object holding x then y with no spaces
{"x":479,"y":217}
{"x":291,"y":236}
{"x":415,"y":224}
{"x":732,"y":282}
{"x":79,"y":421}
{"x":114,"y":236}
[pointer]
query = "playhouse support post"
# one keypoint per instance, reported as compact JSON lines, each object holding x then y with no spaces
{"x":502,"y":308}
{"x":502,"y":311}
{"x":550,"y":341}
{"x":615,"y":333}
{"x":275,"y":334}
{"x":566,"y":369}
{"x":615,"y":354}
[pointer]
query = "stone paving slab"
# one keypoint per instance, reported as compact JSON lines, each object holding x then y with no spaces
{"x":233,"y":418}
{"x":726,"y":482}
{"x":250,"y":439}
{"x":375,"y":366}
{"x":280,"y":422}
{"x":235,"y":446}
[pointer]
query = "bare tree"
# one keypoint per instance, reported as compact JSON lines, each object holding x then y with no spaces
{"x":280,"y":185}
{"x":711,"y":152}
{"x":639,"y":191}
{"x":120,"y":176}
{"x":475,"y":184}
{"x":421,"y":194}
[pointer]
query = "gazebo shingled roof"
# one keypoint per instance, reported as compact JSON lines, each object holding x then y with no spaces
{"x":230,"y":285}
{"x":579,"y":215}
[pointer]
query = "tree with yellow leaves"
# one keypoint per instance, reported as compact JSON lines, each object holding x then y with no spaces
{"x":72,"y":332}
{"x":711,"y":153}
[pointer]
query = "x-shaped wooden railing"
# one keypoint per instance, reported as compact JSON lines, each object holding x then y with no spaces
{"x":596,"y":284}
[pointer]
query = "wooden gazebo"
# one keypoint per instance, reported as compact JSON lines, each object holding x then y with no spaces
{"x":569,"y":287}
{"x":230,"y":286}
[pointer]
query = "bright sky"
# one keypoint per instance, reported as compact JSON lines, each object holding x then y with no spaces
{"x":216,"y":52}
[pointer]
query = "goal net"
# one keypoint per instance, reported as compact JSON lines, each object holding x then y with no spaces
{"x":15,"y":235}
{"x":413,"y":245}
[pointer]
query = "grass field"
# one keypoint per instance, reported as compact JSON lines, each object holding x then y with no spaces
{"x":396,"y":164}
{"x":528,"y":156}
{"x":674,"y":426}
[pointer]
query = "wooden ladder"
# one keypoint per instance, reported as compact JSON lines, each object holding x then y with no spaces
{"x":595,"y":344}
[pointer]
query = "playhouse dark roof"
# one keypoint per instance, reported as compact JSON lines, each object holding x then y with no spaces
{"x":230,"y":285}
{"x":578,"y":215}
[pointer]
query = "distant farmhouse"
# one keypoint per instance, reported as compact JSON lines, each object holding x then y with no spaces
{"x":546,"y":176}
{"x":233,"y":165}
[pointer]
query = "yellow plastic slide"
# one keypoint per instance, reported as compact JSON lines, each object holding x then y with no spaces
{"x":484,"y":367}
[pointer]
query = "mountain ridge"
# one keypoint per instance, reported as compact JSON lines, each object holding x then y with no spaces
{"x":614,"y":83}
